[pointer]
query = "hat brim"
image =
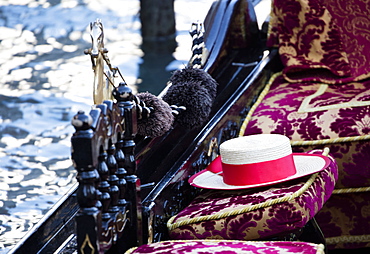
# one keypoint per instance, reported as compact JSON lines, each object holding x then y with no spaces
{"x":306,"y":164}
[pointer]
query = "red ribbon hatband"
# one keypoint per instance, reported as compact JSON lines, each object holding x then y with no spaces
{"x":254,"y":173}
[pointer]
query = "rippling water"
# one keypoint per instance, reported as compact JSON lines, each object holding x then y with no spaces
{"x":45,"y":79}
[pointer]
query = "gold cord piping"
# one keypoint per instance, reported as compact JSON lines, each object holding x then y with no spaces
{"x":351,"y":190}
{"x":217,"y":216}
{"x":348,"y":239}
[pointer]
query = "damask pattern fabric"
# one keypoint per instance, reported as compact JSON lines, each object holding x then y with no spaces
{"x":315,"y":115}
{"x":229,"y":247}
{"x":344,"y":220}
{"x":322,"y":40}
{"x":307,"y":111}
{"x":257,"y":223}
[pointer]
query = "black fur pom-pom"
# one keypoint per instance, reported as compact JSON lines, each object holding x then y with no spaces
{"x":190,"y":75}
{"x":195,"y":98}
{"x":160,"y":119}
{"x":196,"y":90}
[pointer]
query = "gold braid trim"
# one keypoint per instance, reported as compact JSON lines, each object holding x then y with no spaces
{"x":326,"y":151}
{"x":217,"y":216}
{"x":258,"y":102}
{"x":329,"y":141}
{"x":348,"y":239}
{"x":129,"y":251}
{"x":351,"y":190}
{"x":319,"y":250}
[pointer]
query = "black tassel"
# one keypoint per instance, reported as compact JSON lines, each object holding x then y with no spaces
{"x":160,"y":119}
{"x":196,"y":90}
{"x":190,"y":74}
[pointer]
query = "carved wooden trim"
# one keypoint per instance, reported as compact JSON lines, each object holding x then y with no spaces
{"x":103,"y":155}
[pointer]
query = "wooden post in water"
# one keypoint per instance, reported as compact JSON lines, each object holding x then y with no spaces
{"x":158,"y":31}
{"x":157,"y":20}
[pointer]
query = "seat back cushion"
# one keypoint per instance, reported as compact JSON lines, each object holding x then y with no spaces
{"x":317,"y":115}
{"x":322,"y":40}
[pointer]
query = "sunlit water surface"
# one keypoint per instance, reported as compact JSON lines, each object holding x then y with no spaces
{"x":45,"y":79}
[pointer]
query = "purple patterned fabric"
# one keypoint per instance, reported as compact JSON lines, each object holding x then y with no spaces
{"x":228,"y":247}
{"x":346,"y":215}
{"x":336,"y":114}
{"x":259,"y":223}
{"x":331,"y":112}
{"x":322,"y":40}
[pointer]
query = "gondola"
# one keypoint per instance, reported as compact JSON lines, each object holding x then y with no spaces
{"x":146,"y":178}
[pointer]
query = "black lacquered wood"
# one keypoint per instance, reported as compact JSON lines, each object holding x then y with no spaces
{"x":108,"y":192}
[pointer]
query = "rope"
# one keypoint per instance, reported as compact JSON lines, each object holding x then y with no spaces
{"x":330,"y":141}
{"x":348,"y":239}
{"x":267,"y":203}
{"x":351,"y":190}
{"x":196,"y":33}
{"x":320,"y":249}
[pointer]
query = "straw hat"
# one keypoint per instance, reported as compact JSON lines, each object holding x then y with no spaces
{"x":256,"y":161}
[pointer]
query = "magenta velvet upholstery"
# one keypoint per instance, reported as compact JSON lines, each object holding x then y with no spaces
{"x":228,"y":247}
{"x":322,"y":40}
{"x":325,"y":41}
{"x":337,"y":112}
{"x":315,"y":115}
{"x":253,"y":214}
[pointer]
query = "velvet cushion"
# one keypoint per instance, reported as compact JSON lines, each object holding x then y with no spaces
{"x":344,"y":220}
{"x":315,"y":115}
{"x":254,"y":213}
{"x":229,"y":247}
{"x":322,"y":40}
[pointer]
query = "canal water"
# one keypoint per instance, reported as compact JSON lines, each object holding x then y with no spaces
{"x":45,"y":78}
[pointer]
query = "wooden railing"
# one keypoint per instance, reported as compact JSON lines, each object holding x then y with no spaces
{"x":110,"y":212}
{"x":108,"y":193}
{"x":110,"y":216}
{"x":103,"y":153}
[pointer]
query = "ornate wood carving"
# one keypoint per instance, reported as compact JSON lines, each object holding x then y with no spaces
{"x":103,"y":155}
{"x":179,"y":193}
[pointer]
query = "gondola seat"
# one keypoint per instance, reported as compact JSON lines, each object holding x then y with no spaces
{"x":216,"y":246}
{"x":321,"y":98}
{"x":313,"y":121}
{"x":261,"y":213}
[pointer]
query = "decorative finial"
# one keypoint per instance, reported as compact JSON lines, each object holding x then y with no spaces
{"x":122,"y":92}
{"x":81,"y":121}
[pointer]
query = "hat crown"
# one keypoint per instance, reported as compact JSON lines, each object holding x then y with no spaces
{"x":255,"y":149}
